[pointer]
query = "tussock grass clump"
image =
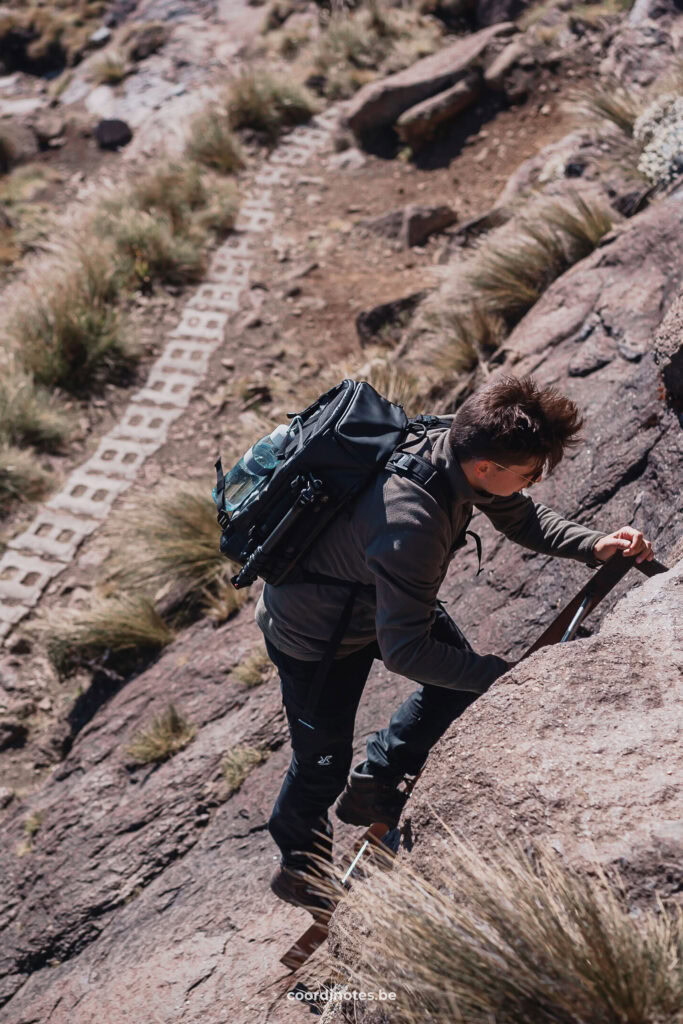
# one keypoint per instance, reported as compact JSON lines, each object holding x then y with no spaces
{"x":462,"y":324}
{"x":255,"y":669}
{"x":164,"y":737}
{"x":607,"y":105}
{"x":159,"y":225}
{"x":65,"y":324}
{"x":148,"y":251}
{"x":175,"y":191}
{"x":465,"y":339}
{"x":268,"y":103}
{"x":21,"y":478}
{"x":238,"y":763}
{"x":212,"y":142}
{"x":29,"y":415}
{"x":509,"y":272}
{"x":169,"y":550}
{"x":510,"y":941}
{"x":123,"y":623}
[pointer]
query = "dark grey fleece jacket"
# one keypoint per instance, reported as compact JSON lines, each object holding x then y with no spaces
{"x":399,"y":538}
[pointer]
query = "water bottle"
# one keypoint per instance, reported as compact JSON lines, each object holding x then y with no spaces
{"x":252,"y":469}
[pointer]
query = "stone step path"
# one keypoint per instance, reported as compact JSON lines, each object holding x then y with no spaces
{"x":49,"y":544}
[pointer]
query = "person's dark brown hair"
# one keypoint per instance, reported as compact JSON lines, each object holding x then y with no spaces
{"x":513,"y":419}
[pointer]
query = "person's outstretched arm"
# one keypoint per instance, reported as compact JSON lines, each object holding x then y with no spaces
{"x":408,"y":557}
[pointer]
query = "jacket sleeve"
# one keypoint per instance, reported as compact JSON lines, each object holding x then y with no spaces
{"x":537,"y":527}
{"x":409,"y":560}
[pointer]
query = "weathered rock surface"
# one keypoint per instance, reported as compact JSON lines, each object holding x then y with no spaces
{"x":643,"y":10}
{"x":513,"y":71}
{"x":412,"y":225}
{"x":417,"y":125}
{"x":100,"y":831}
{"x":576,"y":156}
{"x":668,"y":352}
{"x":420,"y":222}
{"x":639,"y":53}
{"x":582,"y":752}
{"x":112,"y":134}
{"x":379,"y":104}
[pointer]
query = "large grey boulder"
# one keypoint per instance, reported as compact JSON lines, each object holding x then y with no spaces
{"x":379,"y":104}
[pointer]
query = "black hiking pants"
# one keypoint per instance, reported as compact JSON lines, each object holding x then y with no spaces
{"x":321,"y":757}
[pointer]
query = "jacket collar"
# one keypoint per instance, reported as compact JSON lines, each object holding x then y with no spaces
{"x":445,"y":461}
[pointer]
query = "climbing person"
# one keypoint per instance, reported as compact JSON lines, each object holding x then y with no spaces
{"x":397,"y":540}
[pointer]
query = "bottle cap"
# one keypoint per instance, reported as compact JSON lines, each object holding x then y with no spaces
{"x":279,"y":435}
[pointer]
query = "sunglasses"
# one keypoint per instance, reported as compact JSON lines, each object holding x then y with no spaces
{"x":538,"y":476}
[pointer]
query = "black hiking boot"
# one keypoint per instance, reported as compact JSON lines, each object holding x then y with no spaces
{"x":367,"y":800}
{"x":300,"y":887}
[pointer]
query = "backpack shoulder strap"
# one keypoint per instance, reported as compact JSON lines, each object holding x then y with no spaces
{"x":422,"y":472}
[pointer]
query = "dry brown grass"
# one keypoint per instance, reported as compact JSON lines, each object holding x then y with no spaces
{"x":255,"y":669}
{"x":510,"y":271}
{"x":268,"y":103}
{"x":463,"y":323}
{"x":375,"y":38}
{"x":22,"y":479}
{"x":238,"y":763}
{"x":513,"y":938}
{"x":164,"y":736}
{"x":606,"y":105}
{"x":169,"y":551}
{"x":64,"y":322}
{"x":212,"y":142}
{"x":398,"y":385}
{"x":120,"y":624}
{"x":29,"y":415}
{"x":49,"y":35}
{"x":462,"y":339}
{"x":148,"y":251}
{"x":161,"y":223}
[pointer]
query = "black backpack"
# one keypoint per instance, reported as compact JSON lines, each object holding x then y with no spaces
{"x":335,"y":447}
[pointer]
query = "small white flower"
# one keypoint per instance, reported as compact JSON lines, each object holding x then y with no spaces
{"x":659,"y":131}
